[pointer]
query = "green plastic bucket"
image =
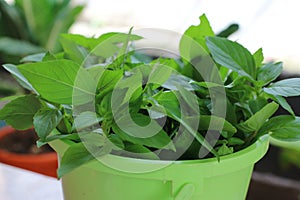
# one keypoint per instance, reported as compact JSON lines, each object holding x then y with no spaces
{"x":120,"y":178}
{"x":295,"y":145}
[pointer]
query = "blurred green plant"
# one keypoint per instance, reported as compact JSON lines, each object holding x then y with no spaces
{"x":33,"y":26}
{"x":289,"y":158}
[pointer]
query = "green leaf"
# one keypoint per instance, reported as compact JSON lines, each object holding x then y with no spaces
{"x":258,"y":57}
{"x":225,"y":150}
{"x":49,"y":56}
{"x":232,"y":28}
{"x":108,"y":44}
{"x":172,"y":108}
{"x":127,"y":89}
{"x":50,"y":138}
{"x":19,"y":112}
{"x":232,"y":55}
{"x":37,"y":21}
{"x":231,"y":114}
{"x":207,"y":84}
{"x":10,"y":98}
{"x":193,"y":36}
{"x":75,"y":156}
{"x":138,"y":151}
{"x":108,"y":80}
{"x":283,"y":103}
{"x":269,"y":72}
{"x":256,"y":121}
{"x":156,"y":111}
{"x":72,"y":51}
{"x":159,"y":140}
{"x":109,"y":39}
{"x":86,"y":119}
{"x":287,"y":88}
{"x":167,"y":62}
{"x":159,"y":74}
{"x":169,"y":101}
{"x":120,"y":58}
{"x":191,"y":100}
{"x":235,"y":141}
{"x":62,"y":21}
{"x":60,"y":81}
{"x":215,"y":123}
{"x":275,"y":123}
{"x":178,"y":79}
{"x":257,"y":104}
{"x":117,"y":142}
{"x":45,"y":121}
{"x":13,"y":69}
{"x":92,"y":138}
{"x":17,"y":47}
{"x":12,"y":22}
{"x":88,"y":43}
{"x":284,"y":127}
{"x":66,"y":125}
{"x":33,"y":58}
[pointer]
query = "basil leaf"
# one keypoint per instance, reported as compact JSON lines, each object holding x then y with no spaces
{"x":86,"y":119}
{"x":256,"y":121}
{"x":287,"y":88}
{"x":258,"y":57}
{"x":45,"y":120}
{"x":284,"y":127}
{"x":13,"y":69}
{"x":18,"y":47}
{"x":225,"y":150}
{"x":283,"y":103}
{"x":19,"y":112}
{"x":73,"y":51}
{"x":60,"y":81}
{"x":159,"y":140}
{"x":75,"y":156}
{"x":33,"y":58}
{"x":108,"y":80}
{"x":215,"y":123}
{"x":195,"y":35}
{"x":232,"y":55}
{"x":139,"y":151}
{"x":269,"y":72}
{"x":50,"y":138}
{"x":235,"y":141}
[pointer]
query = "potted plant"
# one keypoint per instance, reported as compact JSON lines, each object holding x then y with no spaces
{"x":26,"y":30}
{"x":18,"y":149}
{"x":128,"y":126}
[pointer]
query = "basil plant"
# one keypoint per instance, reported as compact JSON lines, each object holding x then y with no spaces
{"x":103,"y":95}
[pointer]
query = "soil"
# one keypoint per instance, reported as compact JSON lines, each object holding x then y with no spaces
{"x":23,"y":142}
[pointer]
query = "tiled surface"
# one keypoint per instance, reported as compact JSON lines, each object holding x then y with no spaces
{"x":18,"y":184}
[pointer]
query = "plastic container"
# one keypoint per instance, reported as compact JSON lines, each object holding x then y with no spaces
{"x":120,"y":178}
{"x":289,"y":145}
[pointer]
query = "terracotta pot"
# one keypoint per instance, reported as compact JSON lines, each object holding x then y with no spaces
{"x":45,"y":163}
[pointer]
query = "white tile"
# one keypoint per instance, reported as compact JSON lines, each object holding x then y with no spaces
{"x":19,"y":184}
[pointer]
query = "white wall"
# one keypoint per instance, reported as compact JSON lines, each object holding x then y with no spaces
{"x":271,"y":24}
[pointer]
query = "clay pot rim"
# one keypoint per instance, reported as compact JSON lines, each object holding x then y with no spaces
{"x":43,"y":156}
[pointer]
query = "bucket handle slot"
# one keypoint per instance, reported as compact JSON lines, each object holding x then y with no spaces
{"x":185,"y":192}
